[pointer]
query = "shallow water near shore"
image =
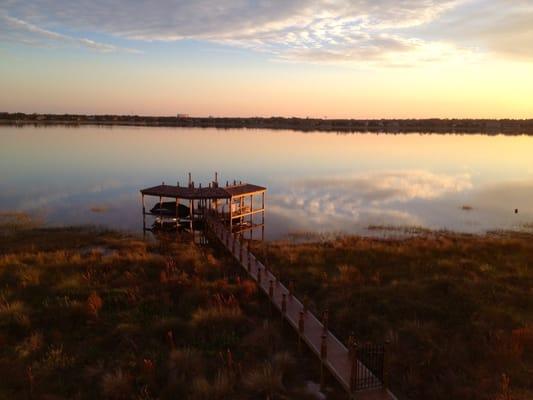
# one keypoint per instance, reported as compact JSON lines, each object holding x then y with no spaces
{"x":317,"y":182}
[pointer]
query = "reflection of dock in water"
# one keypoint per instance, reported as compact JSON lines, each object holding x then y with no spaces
{"x":239,"y":206}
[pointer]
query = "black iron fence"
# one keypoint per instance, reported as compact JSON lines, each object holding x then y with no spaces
{"x":368,"y":366}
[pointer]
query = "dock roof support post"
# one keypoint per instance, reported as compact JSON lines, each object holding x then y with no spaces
{"x":177,"y":213}
{"x":191,"y":213}
{"x":251,"y":216}
{"x":263,"y":216}
{"x":144,"y":213}
{"x":240,"y":252}
{"x":231,"y":214}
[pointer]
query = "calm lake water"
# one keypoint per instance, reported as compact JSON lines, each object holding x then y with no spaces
{"x":317,"y":182}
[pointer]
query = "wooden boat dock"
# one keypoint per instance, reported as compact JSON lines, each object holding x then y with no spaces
{"x":240,"y":205}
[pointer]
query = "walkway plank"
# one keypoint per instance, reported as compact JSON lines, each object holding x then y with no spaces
{"x":338,"y":360}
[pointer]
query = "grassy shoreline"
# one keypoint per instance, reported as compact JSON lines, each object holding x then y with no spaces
{"x":90,"y":313}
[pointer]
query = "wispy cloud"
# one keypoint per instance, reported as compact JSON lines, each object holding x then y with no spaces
{"x":19,"y":30}
{"x":388,"y":32}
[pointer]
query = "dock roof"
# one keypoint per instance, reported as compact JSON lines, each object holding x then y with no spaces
{"x":194,"y":193}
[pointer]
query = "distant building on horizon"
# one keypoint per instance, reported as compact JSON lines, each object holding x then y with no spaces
{"x":182,"y":115}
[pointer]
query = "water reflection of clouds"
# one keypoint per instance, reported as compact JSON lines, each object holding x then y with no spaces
{"x":386,"y":187}
{"x":71,"y":203}
{"x":39,"y":195}
{"x":356,"y":201}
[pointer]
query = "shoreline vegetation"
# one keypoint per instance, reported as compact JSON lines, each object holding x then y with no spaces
{"x":393,"y":126}
{"x":92,"y":313}
{"x":87,"y":313}
{"x":456,"y":309}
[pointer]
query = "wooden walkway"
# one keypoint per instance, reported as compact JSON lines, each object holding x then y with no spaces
{"x":336,"y":357}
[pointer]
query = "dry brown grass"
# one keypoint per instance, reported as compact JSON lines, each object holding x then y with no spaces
{"x":117,"y":385}
{"x":456,"y":308}
{"x":87,"y":314}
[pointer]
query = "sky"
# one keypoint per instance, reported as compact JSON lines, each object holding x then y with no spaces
{"x":305,"y":58}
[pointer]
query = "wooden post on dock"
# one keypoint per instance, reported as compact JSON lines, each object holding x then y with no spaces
{"x":191,"y":213}
{"x":231,"y":214}
{"x":263,"y":217}
{"x":144,"y":214}
{"x":301,"y":327}
{"x":325,"y":320}
{"x":291,"y":288}
{"x":386,"y":365}
{"x":323,"y":358}
{"x":353,"y":367}
{"x":240,"y":250}
{"x":251,"y":216}
{"x":177,"y":213}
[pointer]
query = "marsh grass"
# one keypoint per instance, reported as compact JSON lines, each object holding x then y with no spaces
{"x":136,"y":320}
{"x":457,"y":309}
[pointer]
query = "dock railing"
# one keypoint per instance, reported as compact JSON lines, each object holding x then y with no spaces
{"x":360,"y":369}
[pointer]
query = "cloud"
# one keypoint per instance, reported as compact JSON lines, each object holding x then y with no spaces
{"x":22,"y":31}
{"x":296,"y":30}
{"x":384,"y":32}
{"x":498,"y":27}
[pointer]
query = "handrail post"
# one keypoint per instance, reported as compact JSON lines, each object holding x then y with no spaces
{"x":354,"y":366}
{"x":249,"y":260}
{"x":301,"y":327}
{"x":323,"y":358}
{"x":271,"y":289}
{"x":291,"y":287}
{"x":325,"y":320}
{"x":259,"y":276}
{"x":351,"y":341}
{"x":283,"y":304}
{"x":385,"y":366}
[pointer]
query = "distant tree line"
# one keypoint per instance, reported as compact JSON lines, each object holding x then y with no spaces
{"x":488,"y":126}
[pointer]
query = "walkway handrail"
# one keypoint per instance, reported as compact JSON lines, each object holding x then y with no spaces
{"x":344,"y":365}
